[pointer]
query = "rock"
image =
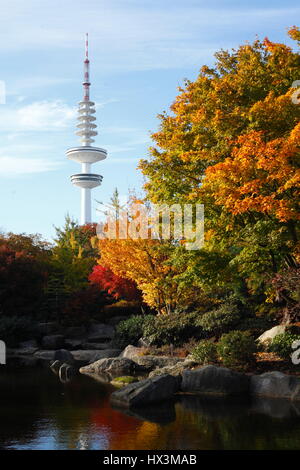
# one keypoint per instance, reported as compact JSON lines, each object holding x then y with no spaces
{"x":89,"y":356}
{"x":275,"y":385}
{"x":147,"y":361}
{"x":212,"y":380}
{"x":175,"y":370}
{"x":131,"y":352}
{"x":64,"y":356}
{"x":100,"y":332}
{"x":269,"y":335}
{"x":44,"y":355}
{"x":112,"y":366}
{"x":146,"y":391}
{"x":75,"y":331}
{"x":143,"y":343}
{"x":48,"y":328}
{"x":53,"y":342}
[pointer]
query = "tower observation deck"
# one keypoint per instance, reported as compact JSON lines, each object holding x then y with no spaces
{"x":86,"y":154}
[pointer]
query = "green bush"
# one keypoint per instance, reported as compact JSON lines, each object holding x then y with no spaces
{"x":282,"y":344}
{"x":256,"y":325}
{"x":205,"y":352}
{"x":131,"y":330}
{"x":174,"y":329}
{"x":237,"y":348}
{"x":15,"y":329}
{"x":221,"y":319}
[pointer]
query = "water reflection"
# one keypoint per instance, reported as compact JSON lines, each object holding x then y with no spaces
{"x":37,"y":411}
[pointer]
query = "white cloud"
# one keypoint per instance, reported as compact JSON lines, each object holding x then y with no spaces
{"x":38,"y":116}
{"x":13,"y":166}
{"x":133,"y":35}
{"x":45,"y":115}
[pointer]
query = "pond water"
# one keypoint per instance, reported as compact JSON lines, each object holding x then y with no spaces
{"x":37,"y":411}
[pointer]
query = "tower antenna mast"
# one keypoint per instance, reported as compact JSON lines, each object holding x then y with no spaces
{"x":86,"y":154}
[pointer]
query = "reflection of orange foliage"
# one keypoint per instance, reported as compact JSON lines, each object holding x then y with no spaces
{"x":118,"y":424}
{"x":126,"y":432}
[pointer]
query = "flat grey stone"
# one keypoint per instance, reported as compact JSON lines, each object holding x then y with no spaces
{"x":213,"y":380}
{"x":275,"y":385}
{"x":146,"y":391}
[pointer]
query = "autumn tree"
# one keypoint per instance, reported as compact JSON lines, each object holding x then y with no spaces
{"x":74,"y":255}
{"x":117,"y":286}
{"x":231,"y":141}
{"x":22,"y":279}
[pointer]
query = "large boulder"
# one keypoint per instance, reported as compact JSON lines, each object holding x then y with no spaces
{"x":147,"y":361}
{"x":212,"y":380}
{"x":175,"y":370}
{"x":146,"y":391}
{"x":53,"y":342}
{"x":100,"y":332}
{"x":275,"y":385}
{"x":269,"y":335}
{"x":131,"y":352}
{"x":84,"y":357}
{"x":112,"y":366}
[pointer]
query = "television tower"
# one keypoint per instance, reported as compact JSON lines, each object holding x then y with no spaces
{"x":86,"y":154}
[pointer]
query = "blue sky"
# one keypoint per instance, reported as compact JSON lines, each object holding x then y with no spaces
{"x":140,"y":52}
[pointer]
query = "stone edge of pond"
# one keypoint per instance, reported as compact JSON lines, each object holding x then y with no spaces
{"x":194,"y":379}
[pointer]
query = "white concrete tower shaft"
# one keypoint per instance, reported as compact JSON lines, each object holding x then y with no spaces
{"x":86,"y":154}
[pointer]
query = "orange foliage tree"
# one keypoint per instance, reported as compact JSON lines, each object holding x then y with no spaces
{"x":231,"y":141}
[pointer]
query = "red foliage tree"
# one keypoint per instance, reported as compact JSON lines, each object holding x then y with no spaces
{"x":116,"y":286}
{"x":22,"y":279}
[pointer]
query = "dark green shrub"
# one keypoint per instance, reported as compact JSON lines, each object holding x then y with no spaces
{"x":121,"y":308}
{"x":15,"y":329}
{"x":237,"y":348}
{"x":205,"y":352}
{"x":173,"y":329}
{"x":221,"y":319}
{"x":131,"y":330}
{"x":256,"y":325}
{"x":282,"y":344}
